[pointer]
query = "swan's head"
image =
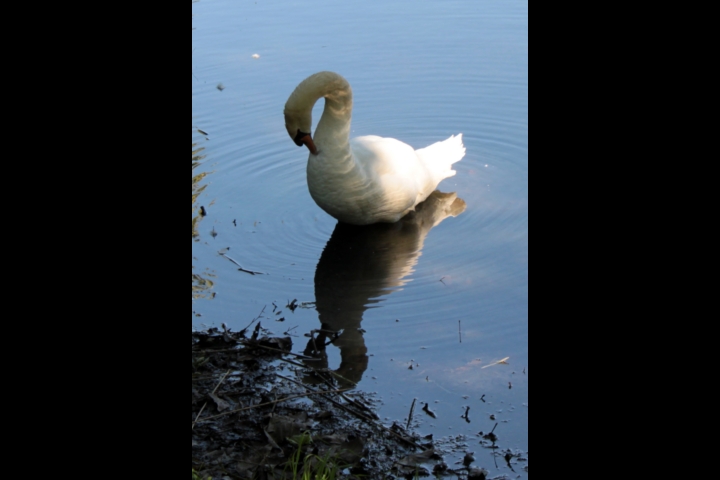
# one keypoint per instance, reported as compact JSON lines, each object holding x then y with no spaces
{"x":299,"y":130}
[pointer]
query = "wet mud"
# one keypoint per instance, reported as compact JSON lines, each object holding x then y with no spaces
{"x":262,"y":412}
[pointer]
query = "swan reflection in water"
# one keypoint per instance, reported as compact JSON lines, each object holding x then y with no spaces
{"x":358,"y":267}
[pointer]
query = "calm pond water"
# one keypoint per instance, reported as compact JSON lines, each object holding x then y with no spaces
{"x":450,"y":301}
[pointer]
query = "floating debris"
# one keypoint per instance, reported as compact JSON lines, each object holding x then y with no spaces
{"x":504,"y":361}
{"x":427,"y":410}
{"x":241,"y":269}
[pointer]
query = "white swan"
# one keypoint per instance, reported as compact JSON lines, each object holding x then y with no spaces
{"x":367,"y":179}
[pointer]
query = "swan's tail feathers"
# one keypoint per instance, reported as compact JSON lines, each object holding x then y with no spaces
{"x":439,"y":157}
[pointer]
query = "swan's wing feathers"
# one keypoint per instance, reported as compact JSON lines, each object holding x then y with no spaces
{"x":384,"y":155}
{"x":396,"y":174}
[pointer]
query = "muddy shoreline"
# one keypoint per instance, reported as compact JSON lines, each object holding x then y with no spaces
{"x":259,"y":411}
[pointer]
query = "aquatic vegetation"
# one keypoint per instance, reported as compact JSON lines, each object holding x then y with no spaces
{"x":200,"y":283}
{"x":197,"y":187}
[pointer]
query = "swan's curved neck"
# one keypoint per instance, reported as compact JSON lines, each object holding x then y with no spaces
{"x":333,"y":130}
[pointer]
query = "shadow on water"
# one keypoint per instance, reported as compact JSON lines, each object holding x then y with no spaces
{"x":358,"y":267}
{"x":200,"y":284}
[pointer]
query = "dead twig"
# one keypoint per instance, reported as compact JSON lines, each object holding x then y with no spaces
{"x":410,"y":417}
{"x":294,"y":397}
{"x":213,"y":393}
{"x":241,"y":269}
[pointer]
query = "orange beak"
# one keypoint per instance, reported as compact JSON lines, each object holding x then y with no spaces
{"x":308,"y":142}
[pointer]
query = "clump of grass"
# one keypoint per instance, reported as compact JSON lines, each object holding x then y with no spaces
{"x":308,"y":466}
{"x":195,"y":476}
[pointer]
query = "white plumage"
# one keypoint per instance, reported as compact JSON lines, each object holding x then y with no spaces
{"x":367,"y":179}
